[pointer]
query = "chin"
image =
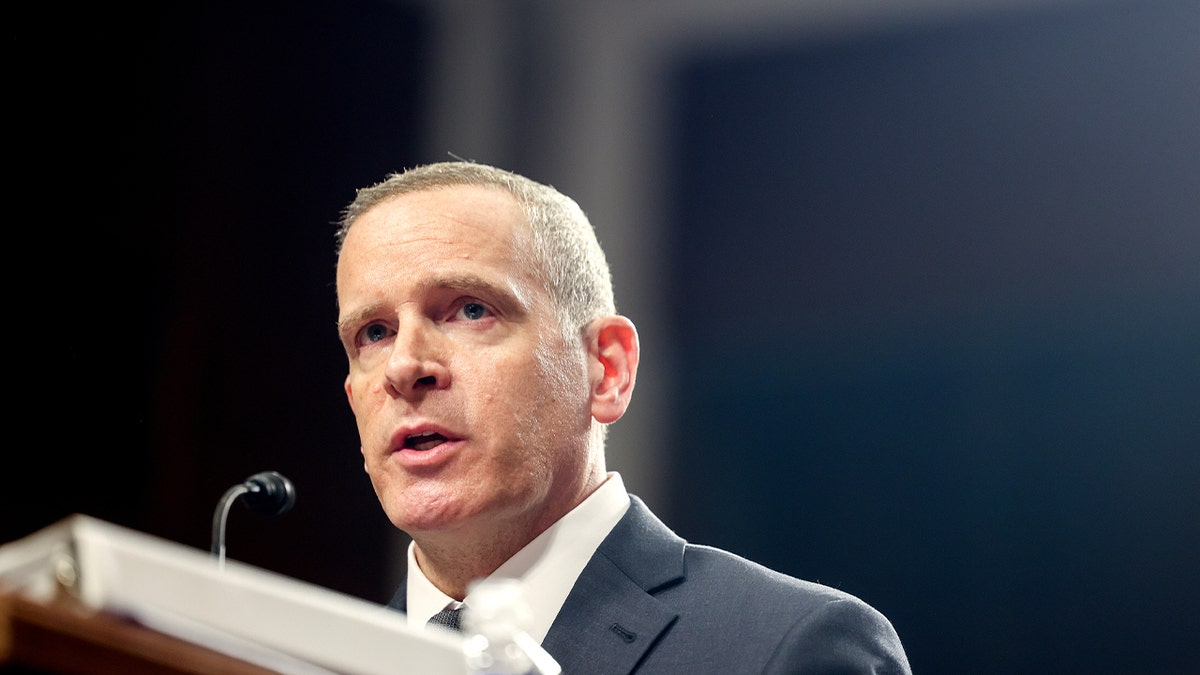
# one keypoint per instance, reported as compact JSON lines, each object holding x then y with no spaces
{"x":425,"y":515}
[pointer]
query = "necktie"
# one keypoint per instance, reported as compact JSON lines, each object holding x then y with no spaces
{"x":447,"y":618}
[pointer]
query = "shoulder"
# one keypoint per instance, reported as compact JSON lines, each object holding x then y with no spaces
{"x":741,"y":583}
{"x":781,"y":623}
{"x":790,"y":624}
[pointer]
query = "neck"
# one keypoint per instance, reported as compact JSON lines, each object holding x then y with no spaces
{"x":451,"y":560}
{"x":453,"y":565}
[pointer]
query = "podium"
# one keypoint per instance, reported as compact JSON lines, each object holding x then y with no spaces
{"x":62,"y":637}
{"x":86,"y":596}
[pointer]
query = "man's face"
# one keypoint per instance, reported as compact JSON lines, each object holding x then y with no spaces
{"x":472,"y":407}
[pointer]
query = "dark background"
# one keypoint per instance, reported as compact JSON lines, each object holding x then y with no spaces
{"x":939,"y":308}
{"x":934,"y":305}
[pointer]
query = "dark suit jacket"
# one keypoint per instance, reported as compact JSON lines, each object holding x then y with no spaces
{"x":649,"y":602}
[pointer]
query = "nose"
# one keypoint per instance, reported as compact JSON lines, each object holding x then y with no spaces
{"x":417,"y":363}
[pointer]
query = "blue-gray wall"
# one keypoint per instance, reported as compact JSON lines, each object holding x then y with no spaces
{"x":937,"y":296}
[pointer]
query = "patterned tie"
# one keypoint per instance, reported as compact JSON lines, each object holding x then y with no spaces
{"x":447,"y":618}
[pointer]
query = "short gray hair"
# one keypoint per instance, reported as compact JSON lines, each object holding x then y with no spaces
{"x":568,"y":257}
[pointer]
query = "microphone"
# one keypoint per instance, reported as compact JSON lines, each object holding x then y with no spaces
{"x":268,"y":493}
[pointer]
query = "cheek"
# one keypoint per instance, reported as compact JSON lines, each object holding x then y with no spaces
{"x":525,"y":395}
{"x":561,"y":386}
{"x":365,"y":394}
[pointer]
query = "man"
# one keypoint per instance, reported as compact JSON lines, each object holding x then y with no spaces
{"x":486,"y":361}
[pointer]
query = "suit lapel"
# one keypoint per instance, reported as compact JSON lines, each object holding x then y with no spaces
{"x":399,"y":599}
{"x":611,"y":619}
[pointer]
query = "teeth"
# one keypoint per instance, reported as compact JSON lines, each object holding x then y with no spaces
{"x":424,"y":441}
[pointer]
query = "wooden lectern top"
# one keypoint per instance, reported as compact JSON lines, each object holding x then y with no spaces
{"x":62,"y":636}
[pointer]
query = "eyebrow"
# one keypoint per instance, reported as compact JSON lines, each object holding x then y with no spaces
{"x":508,"y":297}
{"x":345,"y":323}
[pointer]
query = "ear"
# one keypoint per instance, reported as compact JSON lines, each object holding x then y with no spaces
{"x":349,"y":393}
{"x":613,"y":352}
{"x":350,"y":398}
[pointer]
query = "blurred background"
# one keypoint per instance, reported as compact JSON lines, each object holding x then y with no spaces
{"x":918,"y":284}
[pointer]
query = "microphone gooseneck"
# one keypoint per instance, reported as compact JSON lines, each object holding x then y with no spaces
{"x":268,"y":493}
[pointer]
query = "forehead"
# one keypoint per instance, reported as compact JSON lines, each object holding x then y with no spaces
{"x":446,"y":229}
{"x":462,"y":212}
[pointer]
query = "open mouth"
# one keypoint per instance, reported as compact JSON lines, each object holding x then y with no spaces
{"x":425,"y":441}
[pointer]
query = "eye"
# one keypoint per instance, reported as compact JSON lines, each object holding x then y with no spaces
{"x":473,"y":311}
{"x":374,"y":333}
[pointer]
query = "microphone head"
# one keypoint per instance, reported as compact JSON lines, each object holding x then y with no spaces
{"x":269,"y":493}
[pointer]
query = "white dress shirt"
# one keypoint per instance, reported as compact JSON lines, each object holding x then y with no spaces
{"x":547,"y":566}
